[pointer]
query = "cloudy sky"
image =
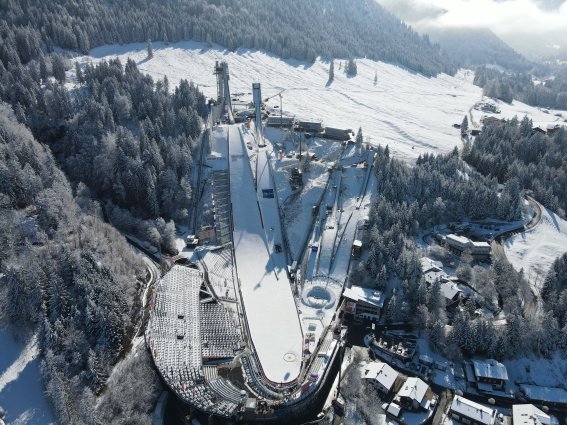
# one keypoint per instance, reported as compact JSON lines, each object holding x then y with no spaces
{"x":533,"y":27}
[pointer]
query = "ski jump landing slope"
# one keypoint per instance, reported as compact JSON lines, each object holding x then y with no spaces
{"x":269,"y":305}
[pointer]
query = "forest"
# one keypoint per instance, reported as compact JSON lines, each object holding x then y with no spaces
{"x":65,"y":275}
{"x":511,"y":150}
{"x":507,"y":86}
{"x":291,"y":29}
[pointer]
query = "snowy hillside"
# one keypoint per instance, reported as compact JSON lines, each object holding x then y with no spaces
{"x":536,"y":249}
{"x":412,"y":113}
{"x":21,"y":386}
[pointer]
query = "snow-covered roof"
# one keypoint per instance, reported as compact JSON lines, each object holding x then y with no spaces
{"x":428,"y":264}
{"x":432,"y":276}
{"x":549,"y":394}
{"x":414,"y":388}
{"x":394,"y":409}
{"x":477,"y":412}
{"x":459,"y":239}
{"x":490,"y":369}
{"x":367,"y":295}
{"x":357,"y":243}
{"x":449,"y":290}
{"x":381,"y":372}
{"x":481,"y":244}
{"x":528,"y":414}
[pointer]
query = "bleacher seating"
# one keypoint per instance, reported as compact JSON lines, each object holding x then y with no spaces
{"x":219,"y":335}
{"x":174,"y":335}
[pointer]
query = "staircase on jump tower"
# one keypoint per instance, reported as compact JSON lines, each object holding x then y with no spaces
{"x":223,"y":89}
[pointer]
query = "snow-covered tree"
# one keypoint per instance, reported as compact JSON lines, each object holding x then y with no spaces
{"x":150,"y":49}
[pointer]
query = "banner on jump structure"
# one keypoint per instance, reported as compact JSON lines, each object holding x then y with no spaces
{"x":267,"y":193}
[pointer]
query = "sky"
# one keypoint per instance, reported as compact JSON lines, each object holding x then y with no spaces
{"x":536,"y":28}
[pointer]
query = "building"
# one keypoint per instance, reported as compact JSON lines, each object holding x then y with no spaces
{"x":528,"y":414}
{"x":415,"y":394}
{"x":356,"y":248}
{"x":431,"y":270}
{"x":427,"y":264}
{"x":207,"y":233}
{"x":363,"y":303}
{"x":550,"y":396}
{"x":381,"y":375}
{"x":280,"y":121}
{"x":310,"y":126}
{"x":337,"y":133}
{"x":462,"y":243}
{"x":469,"y":412}
{"x":451,"y":292}
{"x":490,"y":375}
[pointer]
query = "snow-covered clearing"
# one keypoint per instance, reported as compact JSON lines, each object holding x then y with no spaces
{"x":536,"y":249}
{"x":410,"y":112}
{"x":21,"y":386}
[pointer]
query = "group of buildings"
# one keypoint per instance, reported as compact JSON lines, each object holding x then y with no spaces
{"x":415,"y":395}
{"x":469,"y":412}
{"x":412,"y":394}
{"x":314,"y":127}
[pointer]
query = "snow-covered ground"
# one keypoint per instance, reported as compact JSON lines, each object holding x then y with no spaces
{"x":519,"y":109}
{"x":21,"y":386}
{"x":410,"y":112}
{"x":536,"y":249}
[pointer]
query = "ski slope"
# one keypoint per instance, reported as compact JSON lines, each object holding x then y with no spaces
{"x":536,"y":249}
{"x":410,"y":112}
{"x":268,"y":302}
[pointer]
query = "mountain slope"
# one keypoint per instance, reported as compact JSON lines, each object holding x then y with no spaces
{"x":302,"y":29}
{"x":468,"y":47}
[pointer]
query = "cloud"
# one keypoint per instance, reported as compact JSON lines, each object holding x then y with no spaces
{"x":413,"y":10}
{"x":550,"y":4}
{"x":524,"y":24}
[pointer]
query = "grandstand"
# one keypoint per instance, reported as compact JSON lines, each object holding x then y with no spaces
{"x":185,"y":327}
{"x":220,"y":338}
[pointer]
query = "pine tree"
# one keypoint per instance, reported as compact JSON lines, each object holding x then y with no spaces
{"x":332,"y":71}
{"x":351,"y":68}
{"x":58,"y":68}
{"x":359,"y":139}
{"x":79,"y":73}
{"x":150,"y":49}
{"x":375,"y":77}
{"x":464,"y":126}
{"x":43,"y":73}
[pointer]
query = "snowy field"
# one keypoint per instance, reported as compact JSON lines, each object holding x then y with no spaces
{"x":21,"y":386}
{"x":412,"y":113}
{"x":536,"y":249}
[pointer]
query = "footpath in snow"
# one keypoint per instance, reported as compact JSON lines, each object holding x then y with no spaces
{"x":268,"y":300}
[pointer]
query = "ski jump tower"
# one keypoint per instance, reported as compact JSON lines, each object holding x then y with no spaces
{"x":257,"y":97}
{"x":223,"y":88}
